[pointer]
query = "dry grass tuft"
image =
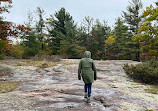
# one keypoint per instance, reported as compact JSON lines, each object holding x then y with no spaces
{"x":153,"y":89}
{"x":103,"y":63}
{"x":2,"y":74}
{"x":8,"y":86}
{"x":41,"y":64}
{"x":69,"y":62}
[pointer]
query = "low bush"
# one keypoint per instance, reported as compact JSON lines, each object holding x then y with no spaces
{"x":1,"y":56}
{"x":146,"y":72}
{"x":17,"y":51}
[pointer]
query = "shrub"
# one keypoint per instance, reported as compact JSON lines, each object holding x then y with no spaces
{"x":3,"y":46}
{"x":146,"y":72}
{"x":32,"y":45}
{"x":17,"y":51}
{"x":30,"y":52}
{"x":1,"y":56}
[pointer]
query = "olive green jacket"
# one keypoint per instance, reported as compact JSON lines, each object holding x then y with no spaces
{"x":87,"y":69}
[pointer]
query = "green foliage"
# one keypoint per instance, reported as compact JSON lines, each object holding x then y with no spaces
{"x":59,"y":28}
{"x":60,"y":35}
{"x":71,"y":50}
{"x":32,"y":45}
{"x":132,"y":18}
{"x":99,"y":33}
{"x":121,"y":34}
{"x":65,"y":38}
{"x":30,"y":52}
{"x":40,"y":27}
{"x":153,"y":89}
{"x":3,"y":46}
{"x":117,"y":45}
{"x":148,"y":31}
{"x":17,"y":51}
{"x":146,"y":72}
{"x":2,"y":56}
{"x":149,"y":110}
{"x":93,"y":35}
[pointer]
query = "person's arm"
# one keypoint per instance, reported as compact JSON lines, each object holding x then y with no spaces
{"x":95,"y":72}
{"x":79,"y":70}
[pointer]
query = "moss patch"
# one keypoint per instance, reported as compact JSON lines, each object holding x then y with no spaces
{"x":149,"y":110}
{"x":153,"y":89}
{"x":8,"y":86}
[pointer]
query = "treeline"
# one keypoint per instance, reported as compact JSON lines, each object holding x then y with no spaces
{"x":134,"y":35}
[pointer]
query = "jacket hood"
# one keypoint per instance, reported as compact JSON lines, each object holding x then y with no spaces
{"x":87,"y":54}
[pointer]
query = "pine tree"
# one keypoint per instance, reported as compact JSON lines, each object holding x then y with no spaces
{"x":32,"y":44}
{"x":121,"y":35}
{"x":93,"y":35}
{"x":64,"y":35}
{"x":85,"y":31}
{"x":40,"y":26}
{"x":99,"y":34}
{"x":132,"y":18}
{"x":57,"y":28}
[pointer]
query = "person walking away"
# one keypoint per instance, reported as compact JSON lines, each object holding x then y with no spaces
{"x":87,"y":71}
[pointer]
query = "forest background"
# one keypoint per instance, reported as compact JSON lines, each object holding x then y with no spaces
{"x":133,"y":37}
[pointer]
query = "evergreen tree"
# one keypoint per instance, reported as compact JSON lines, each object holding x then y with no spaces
{"x":99,"y":34}
{"x":93,"y":35}
{"x":40,"y":26}
{"x":64,"y":35}
{"x":121,"y":35}
{"x":132,"y":18}
{"x":86,"y":26}
{"x":32,"y":45}
{"x":70,"y":45}
{"x":57,"y":28}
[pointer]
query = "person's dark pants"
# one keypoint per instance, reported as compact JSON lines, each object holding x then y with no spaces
{"x":88,"y":87}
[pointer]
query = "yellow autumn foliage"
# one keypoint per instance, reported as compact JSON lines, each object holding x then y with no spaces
{"x":110,"y":40}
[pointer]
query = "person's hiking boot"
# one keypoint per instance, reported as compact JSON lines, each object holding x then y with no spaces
{"x":88,"y":100}
{"x":85,"y":95}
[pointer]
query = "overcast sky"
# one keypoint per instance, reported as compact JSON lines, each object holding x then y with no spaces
{"x":107,"y":10}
